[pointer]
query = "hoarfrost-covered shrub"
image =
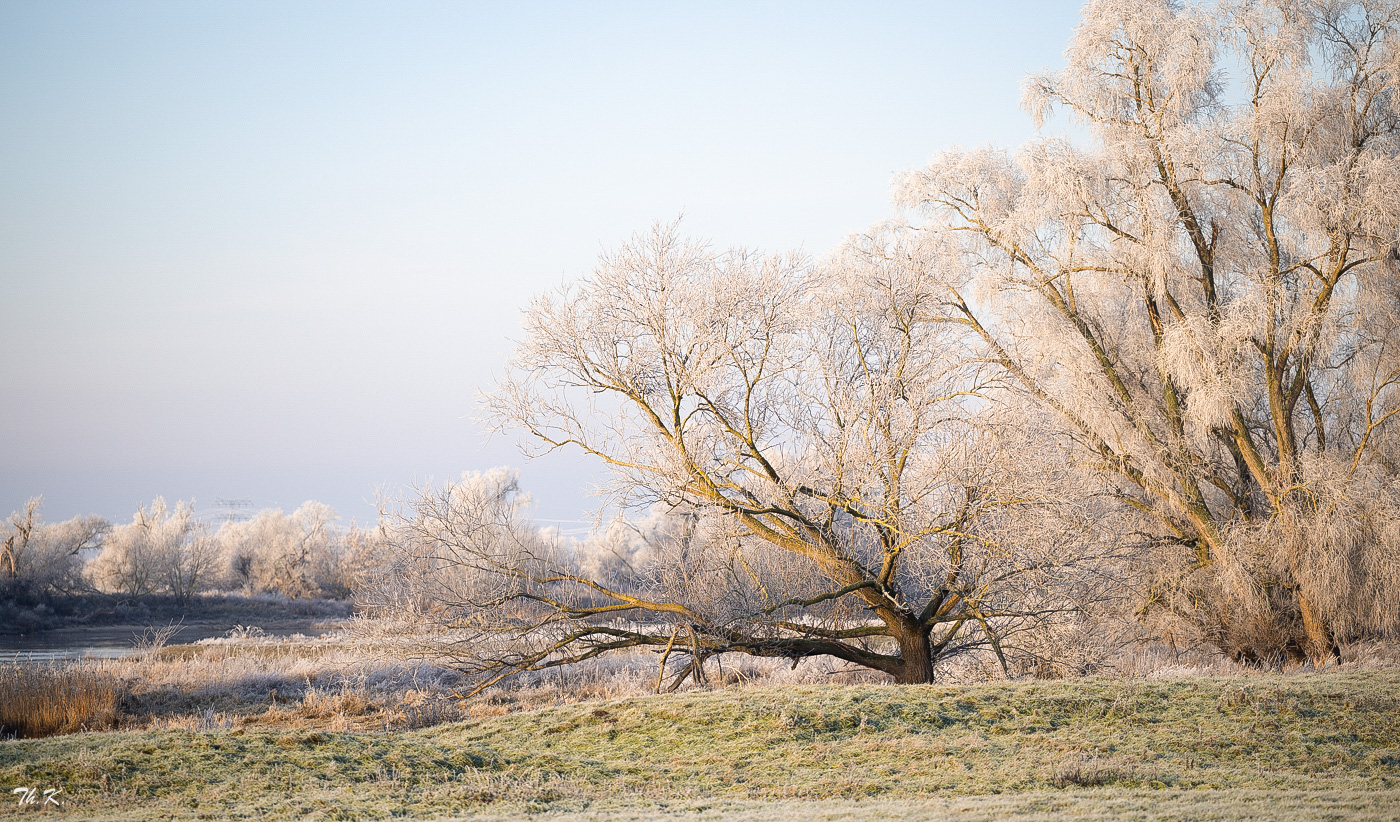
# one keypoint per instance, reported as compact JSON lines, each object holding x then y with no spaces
{"x":162,"y":550}
{"x":274,"y":552}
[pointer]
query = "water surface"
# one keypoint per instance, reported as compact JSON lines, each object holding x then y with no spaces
{"x":117,"y":641}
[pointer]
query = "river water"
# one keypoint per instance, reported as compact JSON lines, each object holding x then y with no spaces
{"x":116,"y":641}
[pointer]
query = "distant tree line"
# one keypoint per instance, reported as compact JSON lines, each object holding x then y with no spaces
{"x":164,"y":550}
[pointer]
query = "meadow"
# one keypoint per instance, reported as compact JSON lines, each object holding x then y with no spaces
{"x":321,"y":728}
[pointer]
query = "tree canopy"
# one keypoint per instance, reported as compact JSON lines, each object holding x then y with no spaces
{"x":1207,"y":296}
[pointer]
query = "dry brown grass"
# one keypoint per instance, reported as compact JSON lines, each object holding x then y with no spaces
{"x":340,"y":681}
{"x":37,"y":701}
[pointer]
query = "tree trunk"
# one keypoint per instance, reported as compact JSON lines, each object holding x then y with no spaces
{"x":915,"y":651}
{"x":1320,"y":645}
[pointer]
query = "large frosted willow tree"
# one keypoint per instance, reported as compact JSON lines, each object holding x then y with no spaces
{"x":1207,"y":297}
{"x":814,"y":432}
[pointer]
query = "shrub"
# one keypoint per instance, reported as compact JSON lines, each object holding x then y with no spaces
{"x":278,"y":553}
{"x":162,"y":550}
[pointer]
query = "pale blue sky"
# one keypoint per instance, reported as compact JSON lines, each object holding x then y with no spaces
{"x":271,"y":250}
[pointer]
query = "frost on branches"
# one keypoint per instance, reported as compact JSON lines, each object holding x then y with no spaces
{"x":819,"y":443}
{"x":1207,"y":298}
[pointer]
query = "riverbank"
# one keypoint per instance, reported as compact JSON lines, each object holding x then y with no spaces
{"x":1283,"y":746}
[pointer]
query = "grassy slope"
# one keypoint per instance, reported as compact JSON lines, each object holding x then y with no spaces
{"x":1320,"y":746}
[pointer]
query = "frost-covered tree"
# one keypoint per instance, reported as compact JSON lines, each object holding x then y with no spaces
{"x":1206,"y":296}
{"x":275,"y":552}
{"x":162,"y":550}
{"x":39,"y":559}
{"x":624,"y":548}
{"x":816,"y":433}
{"x":356,"y":558}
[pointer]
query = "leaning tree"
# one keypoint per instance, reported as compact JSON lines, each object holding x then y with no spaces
{"x":820,"y":439}
{"x":1205,"y":294}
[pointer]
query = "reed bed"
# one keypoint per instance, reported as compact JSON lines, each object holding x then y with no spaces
{"x":44,"y":700}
